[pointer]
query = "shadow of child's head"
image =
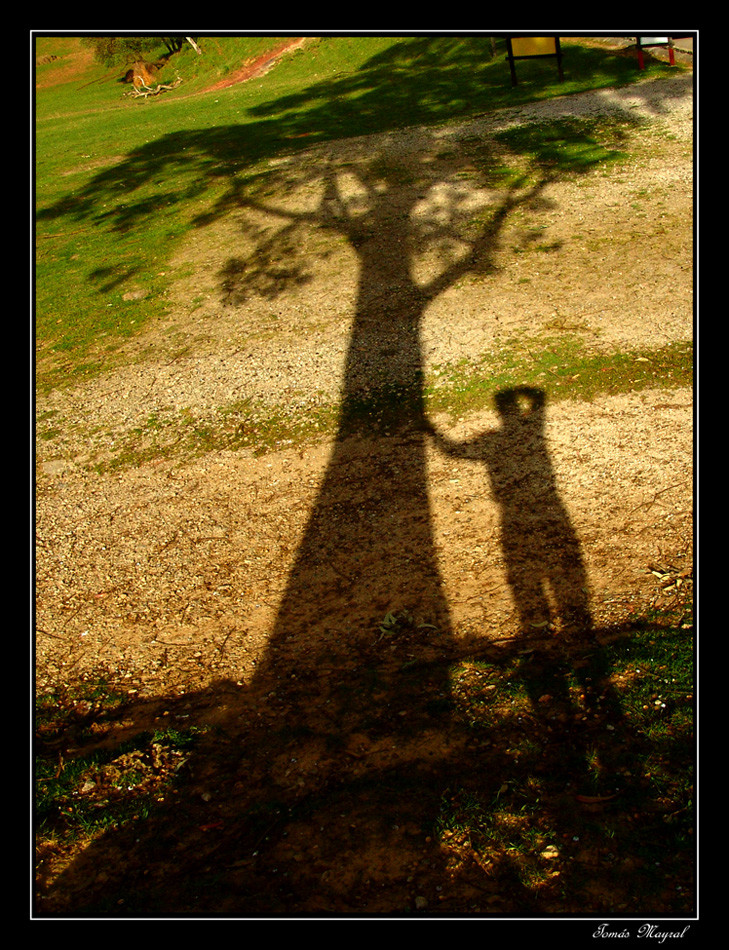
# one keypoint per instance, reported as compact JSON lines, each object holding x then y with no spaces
{"x":520,"y":402}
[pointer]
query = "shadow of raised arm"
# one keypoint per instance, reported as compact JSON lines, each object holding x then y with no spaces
{"x":473,"y":449}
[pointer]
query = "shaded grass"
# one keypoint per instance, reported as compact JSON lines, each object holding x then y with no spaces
{"x":576,"y":795}
{"x":570,"y":145}
{"x":597,"y":761}
{"x":85,"y":786}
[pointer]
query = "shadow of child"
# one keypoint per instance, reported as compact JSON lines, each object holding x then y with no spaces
{"x":543,"y":559}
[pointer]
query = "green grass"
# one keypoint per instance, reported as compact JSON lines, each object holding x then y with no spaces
{"x":601,"y":762}
{"x":120,"y":183}
{"x":84,"y":786}
{"x":571,"y":145}
{"x":564,"y":367}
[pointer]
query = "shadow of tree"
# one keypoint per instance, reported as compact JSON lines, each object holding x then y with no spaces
{"x":436,"y":79}
{"x":327,"y":770}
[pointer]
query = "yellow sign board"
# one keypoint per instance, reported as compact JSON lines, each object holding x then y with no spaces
{"x":534,"y":45}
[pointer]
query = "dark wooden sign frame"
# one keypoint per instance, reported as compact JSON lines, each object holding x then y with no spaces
{"x":511,"y":56}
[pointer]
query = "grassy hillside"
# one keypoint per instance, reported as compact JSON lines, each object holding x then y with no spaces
{"x":119,"y":181}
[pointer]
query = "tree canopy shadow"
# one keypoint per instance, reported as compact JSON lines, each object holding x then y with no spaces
{"x":420,"y":80}
{"x":330,"y":765}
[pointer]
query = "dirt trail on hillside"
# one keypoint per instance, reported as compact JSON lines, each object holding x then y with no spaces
{"x":258,"y":66}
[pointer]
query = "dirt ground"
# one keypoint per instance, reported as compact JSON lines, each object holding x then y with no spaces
{"x":205,"y":580}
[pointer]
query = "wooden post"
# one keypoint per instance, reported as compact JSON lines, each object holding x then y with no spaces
{"x":510,"y":57}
